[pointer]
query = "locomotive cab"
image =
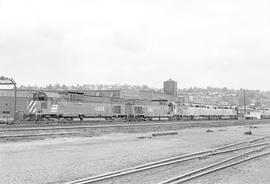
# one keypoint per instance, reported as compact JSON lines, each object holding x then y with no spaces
{"x":39,"y":96}
{"x":171,"y":108}
{"x":40,"y":104}
{"x":41,"y":100}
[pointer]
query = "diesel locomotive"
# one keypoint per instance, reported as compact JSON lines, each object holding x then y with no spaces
{"x":70,"y":105}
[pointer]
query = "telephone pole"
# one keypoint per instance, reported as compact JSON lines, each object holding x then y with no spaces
{"x":244,"y":104}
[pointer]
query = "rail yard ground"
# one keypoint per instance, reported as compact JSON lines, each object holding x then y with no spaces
{"x":100,"y":148}
{"x":42,"y":130}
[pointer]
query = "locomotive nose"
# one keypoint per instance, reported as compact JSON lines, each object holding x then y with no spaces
{"x":31,"y":107}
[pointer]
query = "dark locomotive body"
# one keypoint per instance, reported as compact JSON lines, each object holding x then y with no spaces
{"x":74,"y":105}
{"x":70,"y":105}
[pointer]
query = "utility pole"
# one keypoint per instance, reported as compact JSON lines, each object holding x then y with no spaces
{"x":244,"y":104}
{"x":262,"y":107}
{"x":15,"y":99}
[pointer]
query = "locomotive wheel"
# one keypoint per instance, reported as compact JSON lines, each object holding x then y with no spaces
{"x":81,"y":117}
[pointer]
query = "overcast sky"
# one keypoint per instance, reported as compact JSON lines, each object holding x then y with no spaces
{"x":197,"y":43}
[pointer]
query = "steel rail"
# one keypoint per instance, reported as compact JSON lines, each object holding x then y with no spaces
{"x":146,"y":123}
{"x":37,"y":135}
{"x":160,"y":165}
{"x":169,"y":161}
{"x":54,"y":127}
{"x":201,"y":172}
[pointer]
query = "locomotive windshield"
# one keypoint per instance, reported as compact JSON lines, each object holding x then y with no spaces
{"x":39,"y":96}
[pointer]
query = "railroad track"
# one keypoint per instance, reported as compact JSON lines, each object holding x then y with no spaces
{"x":6,"y":137}
{"x":132,"y":124}
{"x":17,"y":133}
{"x":217,"y":166}
{"x":70,"y":130}
{"x":249,"y":145}
{"x":104,"y":125}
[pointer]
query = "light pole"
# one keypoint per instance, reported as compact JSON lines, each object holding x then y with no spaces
{"x":10,"y":81}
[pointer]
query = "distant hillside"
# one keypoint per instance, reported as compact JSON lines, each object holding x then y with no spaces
{"x":226,"y":96}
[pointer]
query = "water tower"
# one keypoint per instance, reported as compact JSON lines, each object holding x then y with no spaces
{"x":170,"y":87}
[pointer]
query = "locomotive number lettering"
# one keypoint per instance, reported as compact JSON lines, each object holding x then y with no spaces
{"x":54,"y":108}
{"x":99,"y":108}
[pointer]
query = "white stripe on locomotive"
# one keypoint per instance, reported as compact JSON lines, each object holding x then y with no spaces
{"x":31,"y":108}
{"x":29,"y":105}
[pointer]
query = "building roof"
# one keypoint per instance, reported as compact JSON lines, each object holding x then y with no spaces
{"x":51,"y":95}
